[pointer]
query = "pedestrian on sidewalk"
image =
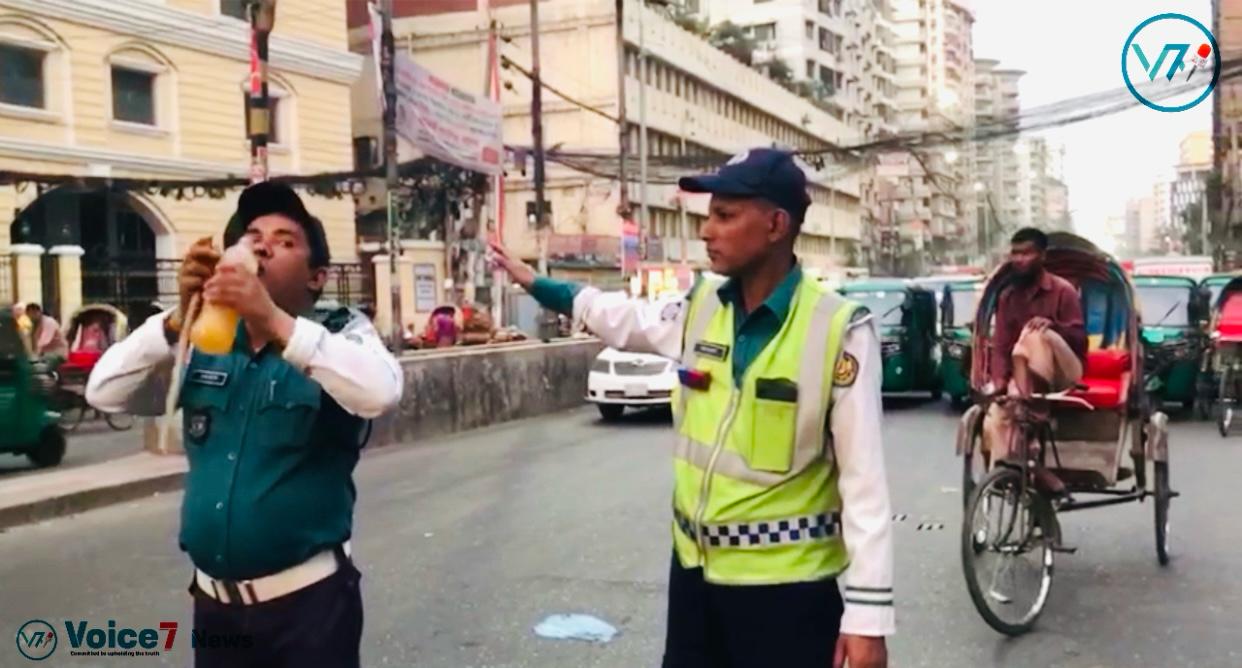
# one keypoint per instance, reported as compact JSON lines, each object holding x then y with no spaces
{"x":779,"y":488}
{"x":272,"y":432}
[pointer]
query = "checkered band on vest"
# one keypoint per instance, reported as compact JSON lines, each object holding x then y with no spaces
{"x":758,"y":534}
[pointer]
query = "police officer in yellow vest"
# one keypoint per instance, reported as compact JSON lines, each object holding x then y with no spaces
{"x":781,"y":517}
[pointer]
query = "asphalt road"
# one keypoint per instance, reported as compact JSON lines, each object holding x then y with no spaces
{"x":91,"y":443}
{"x":468,"y":542}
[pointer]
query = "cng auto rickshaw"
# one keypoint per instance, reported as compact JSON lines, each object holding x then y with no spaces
{"x":1171,"y":308}
{"x":27,"y":427}
{"x":1215,"y":283}
{"x":958,"y":303}
{"x":1092,"y":439}
{"x":905,"y":317}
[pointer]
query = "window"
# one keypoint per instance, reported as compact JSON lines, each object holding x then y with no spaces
{"x":810,"y":30}
{"x":234,"y":8}
{"x":810,"y":69}
{"x":21,"y":76}
{"x":133,"y":96}
{"x":765,"y":32}
{"x":274,"y":133}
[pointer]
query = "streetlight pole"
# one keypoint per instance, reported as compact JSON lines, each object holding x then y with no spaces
{"x":644,"y":221}
{"x":388,"y":55}
{"x":623,"y":127}
{"x":536,"y":112}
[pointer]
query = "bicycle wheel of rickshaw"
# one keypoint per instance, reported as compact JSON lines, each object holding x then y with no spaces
{"x":1007,"y":538}
{"x":119,"y":421}
{"x":1163,"y":494}
{"x":973,"y":465}
{"x":1225,"y":398}
{"x":72,"y":410}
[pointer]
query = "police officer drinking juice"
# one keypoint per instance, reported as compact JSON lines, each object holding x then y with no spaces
{"x":781,"y":522}
{"x":273,"y":427}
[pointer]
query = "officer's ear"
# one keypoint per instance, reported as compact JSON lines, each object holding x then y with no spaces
{"x":318,"y":279}
{"x":781,"y":225}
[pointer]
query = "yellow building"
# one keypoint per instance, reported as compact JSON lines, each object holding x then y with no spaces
{"x":153,"y":89}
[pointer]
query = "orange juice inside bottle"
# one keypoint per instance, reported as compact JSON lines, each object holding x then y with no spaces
{"x":216,"y":326}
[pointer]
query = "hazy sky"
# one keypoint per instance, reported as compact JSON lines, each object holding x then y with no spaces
{"x":1073,"y":47}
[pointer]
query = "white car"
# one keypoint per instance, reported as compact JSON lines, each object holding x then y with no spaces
{"x":619,"y":379}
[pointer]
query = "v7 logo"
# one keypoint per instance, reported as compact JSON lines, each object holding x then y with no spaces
{"x":1153,"y":70}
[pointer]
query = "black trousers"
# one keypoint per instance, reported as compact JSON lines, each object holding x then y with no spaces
{"x":753,"y":626}
{"x":320,"y":625}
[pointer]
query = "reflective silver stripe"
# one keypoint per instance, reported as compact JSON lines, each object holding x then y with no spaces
{"x":813,"y":381}
{"x":703,"y":306}
{"x":763,"y":533}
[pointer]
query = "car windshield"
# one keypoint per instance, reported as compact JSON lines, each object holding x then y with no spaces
{"x":965,"y":303}
{"x":1164,"y":306}
{"x":885,"y":305}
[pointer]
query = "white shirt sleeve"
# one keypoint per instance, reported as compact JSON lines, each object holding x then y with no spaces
{"x":635,"y":325}
{"x":352,"y":366}
{"x":866,"y":513}
{"x":133,"y":375}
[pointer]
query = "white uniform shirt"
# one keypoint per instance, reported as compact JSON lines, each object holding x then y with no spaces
{"x":866,"y":516}
{"x":352,"y":366}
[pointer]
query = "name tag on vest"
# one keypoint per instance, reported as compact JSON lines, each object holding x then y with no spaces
{"x":209,"y":377}
{"x":715,"y":351}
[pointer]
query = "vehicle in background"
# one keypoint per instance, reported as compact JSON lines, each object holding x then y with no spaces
{"x":958,"y":303}
{"x":1215,"y":283}
{"x":905,"y":317}
{"x":1171,"y":308}
{"x":619,"y":379}
{"x":1194,"y":267}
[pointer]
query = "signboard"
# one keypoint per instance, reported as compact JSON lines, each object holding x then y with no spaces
{"x":1190,"y":267}
{"x":584,"y":249}
{"x":446,"y":122}
{"x":629,"y":246}
{"x":424,"y":287}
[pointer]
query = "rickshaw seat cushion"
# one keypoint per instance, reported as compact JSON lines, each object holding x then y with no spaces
{"x":1105,"y":378}
{"x":83,"y":358}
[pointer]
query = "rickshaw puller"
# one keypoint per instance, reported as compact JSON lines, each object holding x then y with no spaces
{"x":272,"y":434}
{"x":1040,"y":337}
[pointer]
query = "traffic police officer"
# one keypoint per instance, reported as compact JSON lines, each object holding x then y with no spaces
{"x":272,"y":433}
{"x":779,"y":471}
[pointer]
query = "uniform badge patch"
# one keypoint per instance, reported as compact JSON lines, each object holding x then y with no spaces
{"x":199,"y":426}
{"x":209,"y":377}
{"x":671,"y":312}
{"x":711,"y":350}
{"x":846,"y":372}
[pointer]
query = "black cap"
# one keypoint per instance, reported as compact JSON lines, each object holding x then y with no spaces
{"x":765,"y":173}
{"x":271,"y":197}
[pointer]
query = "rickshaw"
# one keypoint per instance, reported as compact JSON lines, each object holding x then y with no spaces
{"x":958,"y":303}
{"x":27,"y":426}
{"x":1171,"y":308}
{"x":91,"y":331}
{"x":1011,"y":529}
{"x":905,"y":315}
{"x":1225,"y":358}
{"x":1209,"y":379}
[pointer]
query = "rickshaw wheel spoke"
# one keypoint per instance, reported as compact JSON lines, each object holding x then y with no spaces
{"x":1007,"y":551}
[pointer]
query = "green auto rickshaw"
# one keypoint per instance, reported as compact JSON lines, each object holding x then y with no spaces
{"x":958,"y":303}
{"x":905,"y":317}
{"x":27,"y":427}
{"x":1215,"y":283}
{"x":1171,"y":311}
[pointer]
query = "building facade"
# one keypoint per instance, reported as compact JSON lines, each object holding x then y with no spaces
{"x":1187,"y":190}
{"x":152,"y":90}
{"x":998,"y":170}
{"x":702,"y":106}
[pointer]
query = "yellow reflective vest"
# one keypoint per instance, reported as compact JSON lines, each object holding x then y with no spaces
{"x":755,"y":498}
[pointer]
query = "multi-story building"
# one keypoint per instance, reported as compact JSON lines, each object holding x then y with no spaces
{"x":700,"y":102}
{"x":936,"y":92}
{"x":1170,"y":239}
{"x":843,"y":47}
{"x":133,"y":89}
{"x":1056,"y":205}
{"x":1227,"y":124}
{"x":998,"y":168}
{"x":1194,"y":166}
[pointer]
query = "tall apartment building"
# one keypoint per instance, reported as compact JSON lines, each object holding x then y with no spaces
{"x":844,"y":46}
{"x":700,"y":102}
{"x":1227,"y":122}
{"x":1186,"y":191}
{"x":936,"y":92}
{"x":998,"y":176}
{"x":152,"y":90}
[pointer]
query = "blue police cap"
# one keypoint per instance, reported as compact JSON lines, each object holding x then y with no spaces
{"x":766,"y":173}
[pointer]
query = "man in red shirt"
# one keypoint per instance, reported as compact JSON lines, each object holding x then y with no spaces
{"x":1040,"y":336}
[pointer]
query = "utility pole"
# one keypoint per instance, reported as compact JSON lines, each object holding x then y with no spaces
{"x":623,"y":126}
{"x":536,"y":113}
{"x":685,"y":223}
{"x":388,"y":55}
{"x":262,"y":19}
{"x":644,"y":217}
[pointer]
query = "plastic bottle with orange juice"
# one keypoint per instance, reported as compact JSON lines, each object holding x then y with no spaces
{"x":216,"y":327}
